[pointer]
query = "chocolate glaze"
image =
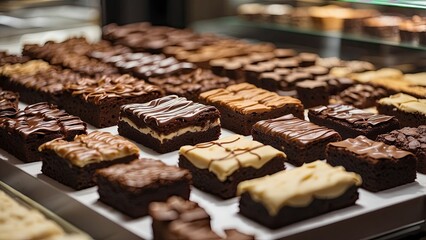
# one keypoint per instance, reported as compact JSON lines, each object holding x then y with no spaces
{"x":143,"y":173}
{"x":122,"y":86}
{"x":42,"y":118}
{"x":166,"y":109}
{"x":294,"y":129}
{"x":361,"y":145}
{"x":351,"y":114}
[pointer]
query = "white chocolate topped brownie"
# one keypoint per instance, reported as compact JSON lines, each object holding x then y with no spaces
{"x":300,"y":186}
{"x":225,"y":156}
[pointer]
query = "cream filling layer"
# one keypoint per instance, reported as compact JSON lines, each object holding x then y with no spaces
{"x":163,"y":137}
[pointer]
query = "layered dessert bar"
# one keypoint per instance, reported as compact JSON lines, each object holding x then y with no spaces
{"x":409,"y":139}
{"x":178,"y":218}
{"x":300,"y":193}
{"x":410,"y":111}
{"x":130,"y":188}
{"x":242,"y":105}
{"x":381,"y":166}
{"x":302,"y":141}
{"x":23,"y":133}
{"x":218,"y":166}
{"x":98,"y":101}
{"x":190,"y":85}
{"x":165,"y":124}
{"x":73,"y":163}
{"x":350,"y":122}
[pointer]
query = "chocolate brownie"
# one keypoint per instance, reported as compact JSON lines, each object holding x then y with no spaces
{"x":381,"y":166}
{"x":190,"y":85}
{"x":71,"y":54}
{"x":307,"y":59}
{"x":300,"y":193}
{"x":218,"y":166}
{"x":243,"y":105}
{"x":301,"y":140}
{"x":350,"y":122}
{"x":361,"y":95}
{"x":315,"y":70}
{"x":23,"y":133}
{"x":98,"y":101}
{"x":8,"y":103}
{"x":165,"y":124}
{"x":409,"y":139}
{"x":73,"y":163}
{"x":145,"y":65}
{"x":178,"y":218}
{"x":312,"y":93}
{"x":130,"y":188}
{"x":410,"y":111}
{"x":335,"y":84}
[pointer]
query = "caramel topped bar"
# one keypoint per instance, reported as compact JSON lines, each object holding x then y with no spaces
{"x":246,"y":98}
{"x":243,"y":104}
{"x":91,"y":148}
{"x":298,"y":187}
{"x":24,"y":69}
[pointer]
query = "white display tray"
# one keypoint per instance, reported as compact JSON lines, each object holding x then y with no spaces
{"x":374,"y":213}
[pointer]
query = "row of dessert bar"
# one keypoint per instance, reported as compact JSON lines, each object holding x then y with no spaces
{"x":370,"y":22}
{"x":226,"y":167}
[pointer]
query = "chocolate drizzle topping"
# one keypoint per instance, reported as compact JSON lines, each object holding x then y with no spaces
{"x":166,"y":109}
{"x":361,"y":145}
{"x":351,"y":114}
{"x":294,"y":129}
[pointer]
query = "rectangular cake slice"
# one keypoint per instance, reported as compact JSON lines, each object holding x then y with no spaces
{"x":218,"y":166}
{"x":22,"y":133}
{"x":410,"y":111}
{"x":8,"y":103}
{"x":350,"y":122}
{"x":130,"y":188}
{"x":381,"y":166}
{"x":178,"y":218}
{"x":301,"y":140}
{"x":409,"y":139}
{"x":165,"y":124}
{"x":73,"y":163}
{"x":242,"y":105}
{"x":300,"y":193}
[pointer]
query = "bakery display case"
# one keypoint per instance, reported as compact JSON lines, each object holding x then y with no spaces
{"x":282,"y":120}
